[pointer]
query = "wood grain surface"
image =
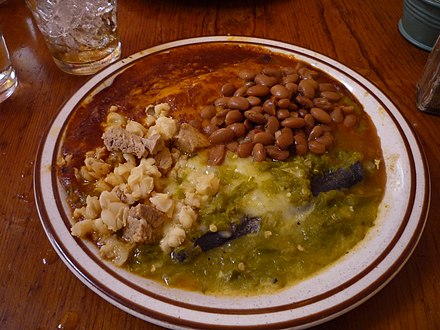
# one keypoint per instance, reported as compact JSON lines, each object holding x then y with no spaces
{"x":37,"y":291}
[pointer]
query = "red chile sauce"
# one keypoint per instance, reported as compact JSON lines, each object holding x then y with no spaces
{"x":188,"y":79}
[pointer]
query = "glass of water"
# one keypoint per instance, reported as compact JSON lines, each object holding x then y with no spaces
{"x":8,"y":78}
{"x":81,"y":35}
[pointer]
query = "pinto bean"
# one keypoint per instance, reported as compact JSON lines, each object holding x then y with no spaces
{"x":217,"y":120}
{"x":259,"y":152}
{"x":323,"y":103}
{"x":321,"y":115}
{"x":314,"y":83}
{"x":315,"y":133}
{"x":293,"y":122}
{"x":272,"y":72}
{"x":264,"y":138}
{"x":216,"y":154}
{"x":255,"y":117}
{"x":304,"y":101}
{"x":301,"y":149}
{"x":308,"y":73}
{"x":221,"y":102}
{"x":290,"y":78}
{"x":328,"y":128}
{"x":270,"y":107}
{"x":258,"y":90}
{"x":283,"y":103}
{"x":331,"y":96}
{"x":292,"y":87}
{"x":238,"y":128}
{"x":310,"y":120}
{"x":258,"y":109}
{"x":276,"y":153}
{"x":306,"y":88}
{"x":253,"y":100}
{"x":210,"y":128}
{"x":283,"y":114}
{"x":221,"y":136}
{"x":232,"y":146}
{"x":262,"y":79}
{"x":247,"y":75}
{"x":290,"y":70}
{"x":233,"y":116}
{"x":248,"y":124}
{"x":222,"y":113}
{"x":292,"y":107}
{"x":238,"y":102}
{"x":241,"y":91}
{"x":285,"y":139}
{"x":286,"y":130}
{"x":250,"y":135}
{"x":272,"y":125}
{"x":316,"y":147}
{"x":326,"y":139}
{"x":327,"y":87}
{"x":244,"y":149}
{"x":302,"y":112}
{"x":347,"y":109}
{"x":195,"y":123}
{"x":350,"y":120}
{"x":337,"y":115}
{"x":280,"y":91}
{"x":228,"y":89}
{"x":300,"y":132}
{"x":208,"y":112}
{"x":301,"y":146}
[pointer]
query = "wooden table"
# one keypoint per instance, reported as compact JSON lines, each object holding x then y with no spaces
{"x":37,"y":291}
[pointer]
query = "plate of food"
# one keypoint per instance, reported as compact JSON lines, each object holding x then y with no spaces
{"x":232,"y":182}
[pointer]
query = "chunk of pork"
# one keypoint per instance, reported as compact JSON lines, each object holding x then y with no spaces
{"x":144,"y":224}
{"x":189,"y":139}
{"x":119,"y":139}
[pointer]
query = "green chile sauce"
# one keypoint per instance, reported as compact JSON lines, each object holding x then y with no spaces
{"x":299,"y":235}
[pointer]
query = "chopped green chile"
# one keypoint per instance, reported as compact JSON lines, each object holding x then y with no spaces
{"x":299,"y":235}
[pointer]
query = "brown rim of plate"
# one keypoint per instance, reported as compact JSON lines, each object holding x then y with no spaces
{"x":344,"y":306}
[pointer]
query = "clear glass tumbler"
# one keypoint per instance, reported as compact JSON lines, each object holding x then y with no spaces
{"x":81,"y":35}
{"x":428,"y":87}
{"x":8,"y":78}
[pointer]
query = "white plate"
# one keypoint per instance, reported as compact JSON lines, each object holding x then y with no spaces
{"x":343,"y":286}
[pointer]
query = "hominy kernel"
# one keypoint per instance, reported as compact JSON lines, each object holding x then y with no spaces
{"x":267,"y":234}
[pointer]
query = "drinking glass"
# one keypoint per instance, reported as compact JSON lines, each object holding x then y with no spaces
{"x":8,"y":78}
{"x":81,"y":35}
{"x":428,"y":87}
